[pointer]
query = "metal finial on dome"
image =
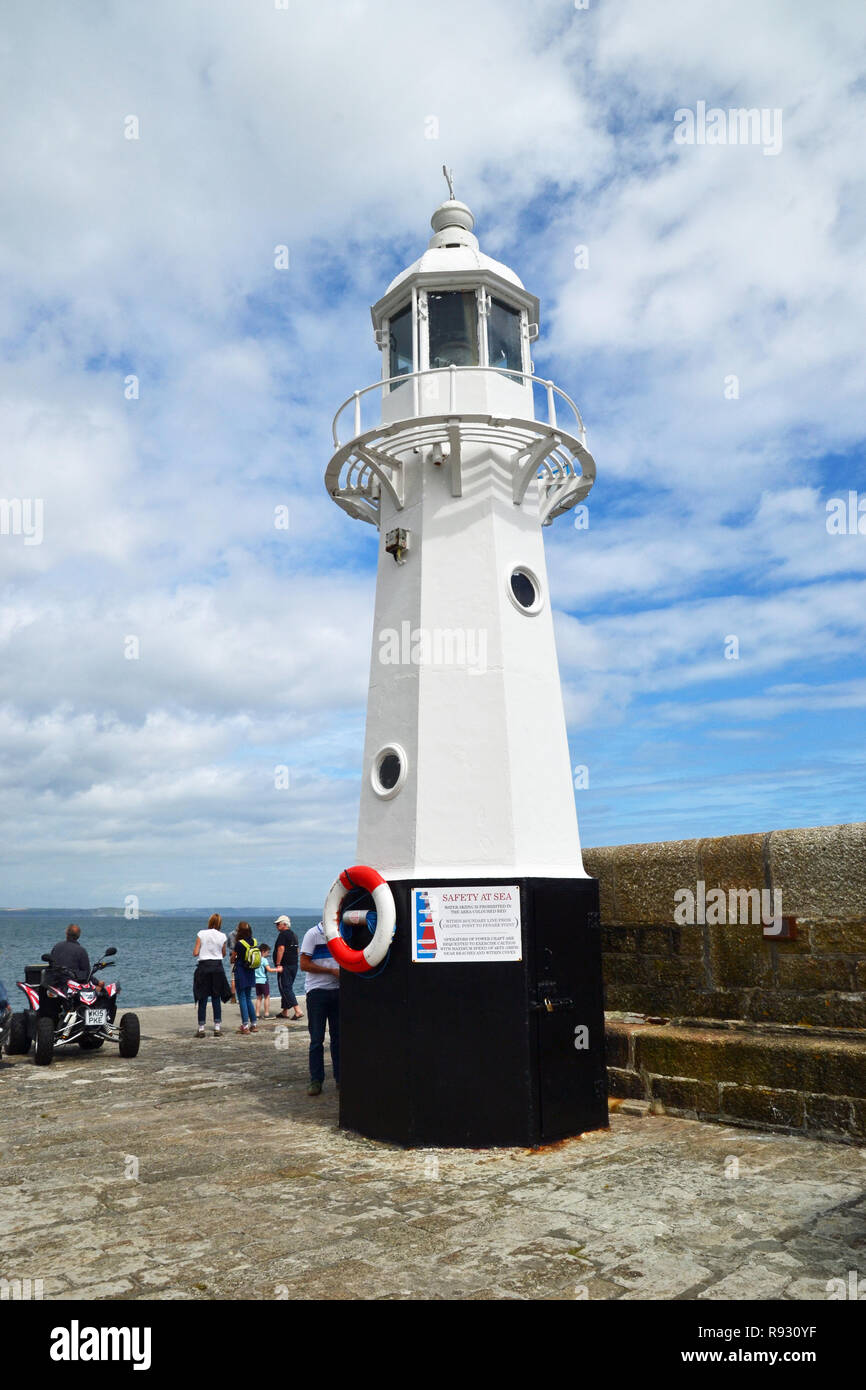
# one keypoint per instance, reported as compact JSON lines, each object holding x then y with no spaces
{"x":452,"y":222}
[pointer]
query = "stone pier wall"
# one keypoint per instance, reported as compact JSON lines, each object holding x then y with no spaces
{"x":653,"y":965}
{"x":715,"y":1019}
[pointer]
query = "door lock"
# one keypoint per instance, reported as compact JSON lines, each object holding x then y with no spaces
{"x":553,"y":1006}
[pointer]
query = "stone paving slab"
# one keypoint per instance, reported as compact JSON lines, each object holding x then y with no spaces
{"x":202,"y":1170}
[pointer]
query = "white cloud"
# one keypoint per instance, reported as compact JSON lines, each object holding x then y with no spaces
{"x":154,"y":256}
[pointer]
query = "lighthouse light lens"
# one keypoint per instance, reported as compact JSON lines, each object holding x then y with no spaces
{"x":453,"y":317}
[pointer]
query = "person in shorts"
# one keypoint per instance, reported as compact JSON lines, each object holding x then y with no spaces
{"x":263,"y":988}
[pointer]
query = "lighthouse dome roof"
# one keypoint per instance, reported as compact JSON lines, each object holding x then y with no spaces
{"x":454,"y":259}
{"x":453,"y":249}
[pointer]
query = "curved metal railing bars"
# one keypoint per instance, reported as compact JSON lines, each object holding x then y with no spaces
{"x":522,"y":378}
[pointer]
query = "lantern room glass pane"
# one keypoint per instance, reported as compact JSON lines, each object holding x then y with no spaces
{"x":504,"y":347}
{"x":400,"y":342}
{"x":453,"y":320}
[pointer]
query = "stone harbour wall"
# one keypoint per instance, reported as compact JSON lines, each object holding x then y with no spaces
{"x":717,"y":971}
{"x":713,"y":1018}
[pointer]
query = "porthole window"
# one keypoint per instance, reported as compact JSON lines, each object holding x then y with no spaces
{"x":524,"y":590}
{"x":388,"y":772}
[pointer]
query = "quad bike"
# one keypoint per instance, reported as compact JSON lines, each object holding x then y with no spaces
{"x":6,"y":1017}
{"x":60,"y":1015}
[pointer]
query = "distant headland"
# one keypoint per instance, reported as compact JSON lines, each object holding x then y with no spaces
{"x":119,"y":913}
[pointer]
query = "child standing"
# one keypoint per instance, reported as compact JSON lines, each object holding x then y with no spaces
{"x":263,"y":988}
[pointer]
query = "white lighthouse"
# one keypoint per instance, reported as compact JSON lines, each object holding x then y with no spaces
{"x":466,"y":765}
{"x":460,"y":455}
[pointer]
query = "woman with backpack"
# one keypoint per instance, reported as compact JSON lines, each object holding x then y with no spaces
{"x":246,"y":958}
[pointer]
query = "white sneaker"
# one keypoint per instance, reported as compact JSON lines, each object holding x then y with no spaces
{"x":200,"y":1033}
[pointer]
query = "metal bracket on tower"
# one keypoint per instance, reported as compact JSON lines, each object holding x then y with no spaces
{"x":357,"y":505}
{"x":455,"y":459}
{"x":383,"y":467}
{"x":561,"y":499}
{"x":524,"y":473}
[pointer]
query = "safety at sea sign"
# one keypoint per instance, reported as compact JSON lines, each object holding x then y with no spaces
{"x":466,"y":923}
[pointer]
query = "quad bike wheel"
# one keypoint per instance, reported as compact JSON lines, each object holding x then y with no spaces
{"x":44,"y":1041}
{"x":19,"y":1038}
{"x":88,"y":1042}
{"x":130,"y":1035}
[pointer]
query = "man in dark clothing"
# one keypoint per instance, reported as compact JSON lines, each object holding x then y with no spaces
{"x":286,"y":961}
{"x":69,"y":961}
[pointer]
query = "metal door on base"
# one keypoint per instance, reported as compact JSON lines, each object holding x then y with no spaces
{"x":569,"y":1010}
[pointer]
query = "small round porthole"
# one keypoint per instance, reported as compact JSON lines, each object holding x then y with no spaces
{"x":524,"y":590}
{"x":388,"y":772}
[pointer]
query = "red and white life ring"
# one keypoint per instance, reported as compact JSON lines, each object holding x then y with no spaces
{"x":360,"y":876}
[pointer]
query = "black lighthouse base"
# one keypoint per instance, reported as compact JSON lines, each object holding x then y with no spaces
{"x":486,"y":1053}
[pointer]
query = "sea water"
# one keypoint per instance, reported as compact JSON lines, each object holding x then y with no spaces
{"x":154,"y":962}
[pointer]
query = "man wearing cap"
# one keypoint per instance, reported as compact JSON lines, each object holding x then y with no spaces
{"x":286,"y":962}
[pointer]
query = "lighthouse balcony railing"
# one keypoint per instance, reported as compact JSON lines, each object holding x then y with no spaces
{"x":454,"y":391}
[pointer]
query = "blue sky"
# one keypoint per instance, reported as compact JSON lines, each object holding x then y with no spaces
{"x":308,"y":127}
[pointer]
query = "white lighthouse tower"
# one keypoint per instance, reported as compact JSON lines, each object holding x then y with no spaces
{"x":460,"y":456}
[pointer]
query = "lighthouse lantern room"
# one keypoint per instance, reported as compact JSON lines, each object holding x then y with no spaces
{"x":483,"y":1023}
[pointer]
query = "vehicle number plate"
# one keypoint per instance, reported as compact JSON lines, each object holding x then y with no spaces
{"x":95,"y":1018}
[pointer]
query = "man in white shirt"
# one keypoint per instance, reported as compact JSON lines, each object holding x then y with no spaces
{"x":322,"y":986}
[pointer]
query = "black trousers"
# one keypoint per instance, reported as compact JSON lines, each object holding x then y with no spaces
{"x":323,"y":1007}
{"x":286,"y":980}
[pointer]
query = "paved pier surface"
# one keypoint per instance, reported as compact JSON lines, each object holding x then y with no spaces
{"x":246,"y":1187}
